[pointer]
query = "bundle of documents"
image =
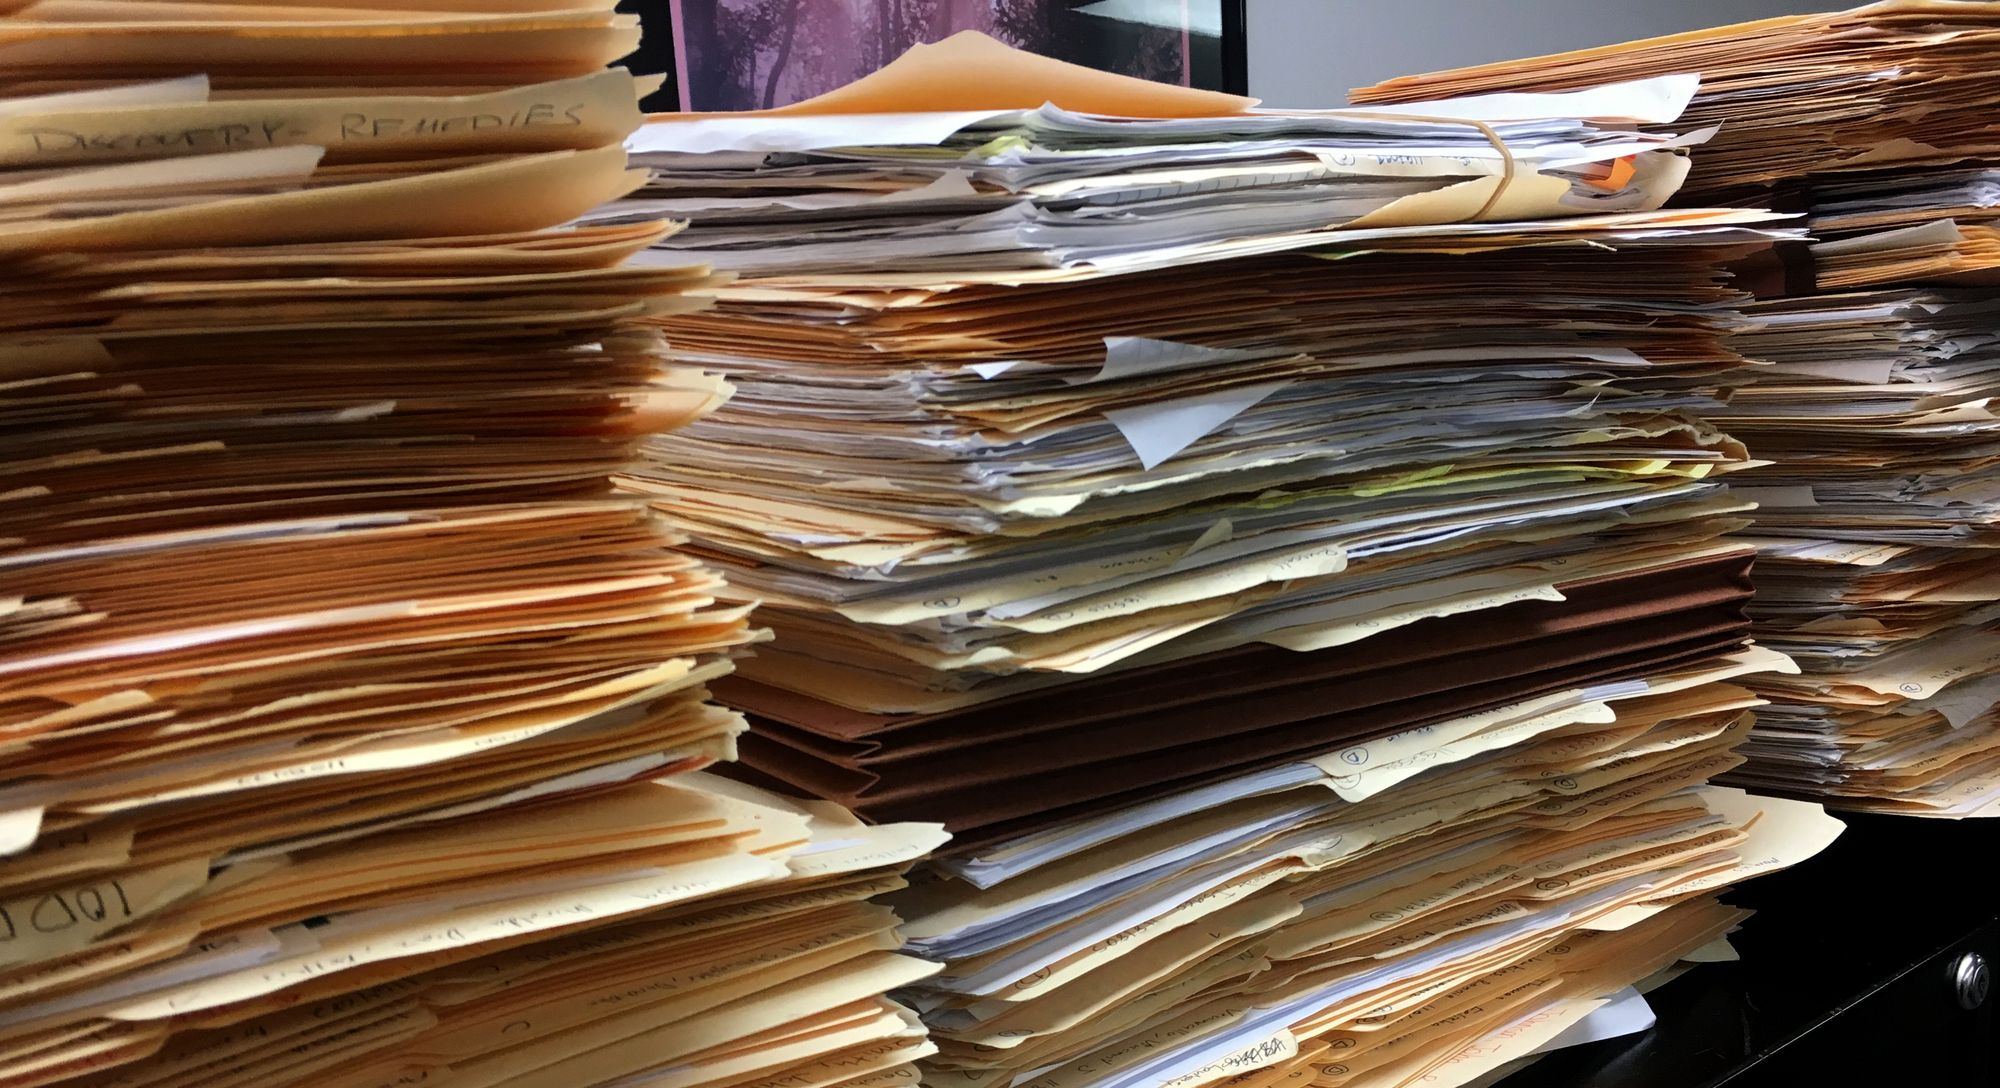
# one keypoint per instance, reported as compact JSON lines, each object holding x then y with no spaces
{"x":1914,"y":225}
{"x":1051,"y":188}
{"x":1418,"y":910}
{"x":1877,"y":518}
{"x":1318,"y":638}
{"x":1877,"y":527}
{"x":749,"y":954}
{"x":1032,"y":543}
{"x":1873,"y":200}
{"x":329,"y":658}
{"x":1939,"y":252}
{"x":1904,"y":82}
{"x":951,"y":561}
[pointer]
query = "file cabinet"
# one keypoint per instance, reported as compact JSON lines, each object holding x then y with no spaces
{"x":1872,"y":964}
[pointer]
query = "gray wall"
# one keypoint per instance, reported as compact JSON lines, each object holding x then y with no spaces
{"x":1308,"y":53}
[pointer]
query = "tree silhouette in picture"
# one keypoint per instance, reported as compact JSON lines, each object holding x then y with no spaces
{"x":1025,"y":24}
{"x":794,"y":14}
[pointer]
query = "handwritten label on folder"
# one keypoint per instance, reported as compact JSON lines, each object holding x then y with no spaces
{"x":269,"y":131}
{"x":574,"y":113}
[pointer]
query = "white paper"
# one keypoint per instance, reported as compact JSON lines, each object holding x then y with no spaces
{"x":1962,"y":703}
{"x":1029,"y":852}
{"x":1607,"y":152}
{"x":19,"y":829}
{"x":1129,"y":357}
{"x":1624,"y":1013}
{"x":1795,"y":496}
{"x":1859,"y":371}
{"x":1204,"y":19}
{"x":1156,"y":432}
{"x":1136,"y":356}
{"x":1937,"y":232}
{"x":1657,"y":100}
{"x":1718,"y":950}
{"x":801,"y":132}
{"x":950,"y":185}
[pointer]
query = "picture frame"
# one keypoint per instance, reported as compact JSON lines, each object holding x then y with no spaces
{"x":754,"y":54}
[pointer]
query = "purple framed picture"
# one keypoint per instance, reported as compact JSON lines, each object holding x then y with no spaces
{"x":755,"y":54}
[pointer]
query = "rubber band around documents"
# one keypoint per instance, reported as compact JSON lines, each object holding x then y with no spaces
{"x":1507,"y":166}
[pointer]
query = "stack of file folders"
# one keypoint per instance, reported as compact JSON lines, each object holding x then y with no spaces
{"x":1043,"y":192}
{"x":1311,"y":636}
{"x":992,"y":521}
{"x":1903,"y":84}
{"x":1880,"y":354}
{"x":1422,"y":909}
{"x":349,"y":719}
{"x":1877,"y":527}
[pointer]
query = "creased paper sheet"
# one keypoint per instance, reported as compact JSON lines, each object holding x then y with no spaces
{"x":1156,"y":432}
{"x":772,"y":133}
{"x":1623,"y":1013}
